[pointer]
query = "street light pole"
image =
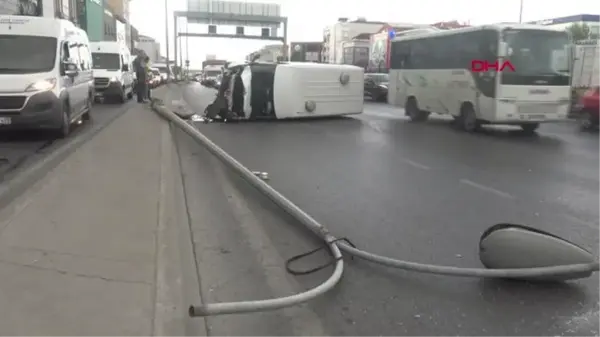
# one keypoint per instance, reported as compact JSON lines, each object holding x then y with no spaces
{"x":167,"y":39}
{"x":521,"y":11}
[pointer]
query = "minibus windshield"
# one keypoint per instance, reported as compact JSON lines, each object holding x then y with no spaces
{"x":106,"y":61}
{"x":27,"y":54}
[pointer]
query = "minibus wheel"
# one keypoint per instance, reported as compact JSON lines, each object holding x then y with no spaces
{"x":530,"y":127}
{"x":587,"y":121}
{"x":468,"y":119}
{"x":413,"y":111}
{"x":122,"y":96}
{"x":65,"y":121}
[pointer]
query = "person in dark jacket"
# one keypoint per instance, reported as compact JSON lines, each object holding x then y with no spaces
{"x":149,"y":73}
{"x":141,"y":74}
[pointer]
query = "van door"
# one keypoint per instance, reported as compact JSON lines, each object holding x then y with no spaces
{"x":78,"y":84}
{"x":126,"y":72}
{"x":67,"y":83}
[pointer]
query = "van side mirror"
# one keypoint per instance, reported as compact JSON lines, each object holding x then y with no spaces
{"x":70,"y":69}
{"x":503,"y":49}
{"x":125,"y":67}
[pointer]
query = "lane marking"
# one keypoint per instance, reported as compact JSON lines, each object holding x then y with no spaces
{"x":417,"y":165}
{"x":486,"y":189}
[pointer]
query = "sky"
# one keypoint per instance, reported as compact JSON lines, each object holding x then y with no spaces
{"x":308,"y":18}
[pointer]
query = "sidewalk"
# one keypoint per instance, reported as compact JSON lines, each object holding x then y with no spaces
{"x":78,"y":251}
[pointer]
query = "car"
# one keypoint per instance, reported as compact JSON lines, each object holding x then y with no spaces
{"x":376,"y":86}
{"x":588,"y":106}
{"x":157,"y":78}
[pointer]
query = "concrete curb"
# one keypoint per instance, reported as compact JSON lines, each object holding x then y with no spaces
{"x":14,"y":187}
{"x":179,"y":285}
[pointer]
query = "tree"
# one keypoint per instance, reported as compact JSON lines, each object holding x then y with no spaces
{"x":579,"y":31}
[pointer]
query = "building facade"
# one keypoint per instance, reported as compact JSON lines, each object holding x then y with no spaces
{"x":306,"y":51}
{"x":46,"y":8}
{"x":110,"y":26}
{"x":268,"y":53}
{"x":91,"y":18}
{"x":344,"y":31}
{"x":591,"y":20}
{"x":356,"y":52}
{"x":150,"y":47}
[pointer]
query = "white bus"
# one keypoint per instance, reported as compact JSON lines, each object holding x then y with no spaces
{"x":433,"y":72}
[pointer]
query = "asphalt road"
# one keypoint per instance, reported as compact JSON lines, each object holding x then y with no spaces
{"x":423,"y":192}
{"x":19,"y":149}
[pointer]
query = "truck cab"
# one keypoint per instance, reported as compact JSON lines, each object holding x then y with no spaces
{"x":113,"y":70}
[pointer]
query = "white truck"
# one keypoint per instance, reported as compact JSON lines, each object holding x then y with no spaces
{"x":459,"y":73}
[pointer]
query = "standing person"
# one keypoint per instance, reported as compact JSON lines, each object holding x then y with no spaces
{"x":141,"y":75}
{"x":149,"y":72}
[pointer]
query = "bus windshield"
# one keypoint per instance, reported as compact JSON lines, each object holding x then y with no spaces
{"x":539,"y":57}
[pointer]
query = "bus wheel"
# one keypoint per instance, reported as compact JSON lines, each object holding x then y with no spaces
{"x":586,"y":121}
{"x":413,"y":111}
{"x":530,"y":127}
{"x":468,"y":120}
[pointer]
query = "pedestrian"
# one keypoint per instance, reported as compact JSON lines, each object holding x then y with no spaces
{"x":141,"y":76}
{"x":150,"y":74}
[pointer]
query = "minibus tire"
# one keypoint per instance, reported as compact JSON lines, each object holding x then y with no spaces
{"x":587,"y":121}
{"x":65,"y":119}
{"x":413,"y":111}
{"x":122,"y":96}
{"x":468,"y":120}
{"x":530,"y":127}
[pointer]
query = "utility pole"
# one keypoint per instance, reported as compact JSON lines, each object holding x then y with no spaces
{"x":167,"y":39}
{"x":521,"y":11}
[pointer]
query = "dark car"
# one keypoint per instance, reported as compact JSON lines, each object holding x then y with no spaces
{"x":376,"y":87}
{"x":589,"y":105}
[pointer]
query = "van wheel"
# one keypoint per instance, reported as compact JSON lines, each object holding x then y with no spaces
{"x":122,"y":96}
{"x":65,"y":128}
{"x":530,"y":127}
{"x":413,"y":111}
{"x":468,"y":120}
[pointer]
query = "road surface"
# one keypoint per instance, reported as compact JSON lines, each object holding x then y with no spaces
{"x":424,"y":192}
{"x":19,"y":149}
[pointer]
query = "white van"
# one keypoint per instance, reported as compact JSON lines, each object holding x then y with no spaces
{"x":45,"y":74}
{"x":113,"y":70}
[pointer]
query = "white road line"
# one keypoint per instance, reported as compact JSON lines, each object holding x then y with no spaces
{"x":417,"y":165}
{"x":487,"y":189}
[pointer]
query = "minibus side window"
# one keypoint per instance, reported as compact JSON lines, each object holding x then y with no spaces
{"x":74,"y":54}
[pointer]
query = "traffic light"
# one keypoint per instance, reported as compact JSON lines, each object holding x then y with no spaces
{"x":239,"y":30}
{"x":212,"y":29}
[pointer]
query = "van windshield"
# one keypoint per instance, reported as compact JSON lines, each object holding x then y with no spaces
{"x":106,"y":61}
{"x":27,"y":54}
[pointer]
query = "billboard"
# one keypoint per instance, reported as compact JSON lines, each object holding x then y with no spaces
{"x":379,"y":52}
{"x":233,"y":8}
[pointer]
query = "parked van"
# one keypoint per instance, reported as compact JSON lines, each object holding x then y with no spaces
{"x":113,"y":70}
{"x":45,"y":74}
